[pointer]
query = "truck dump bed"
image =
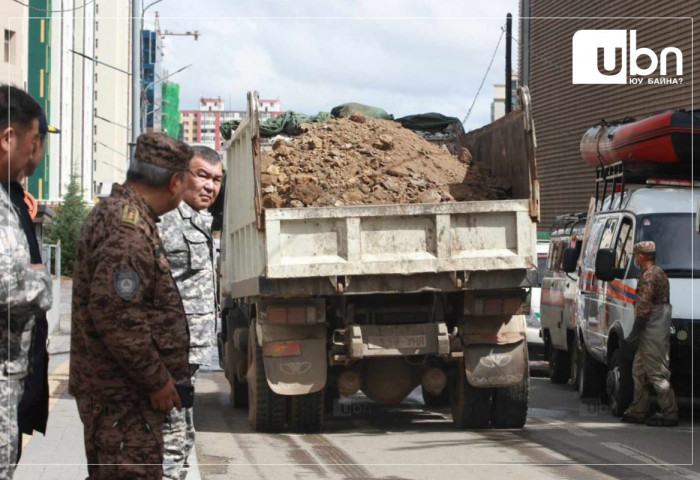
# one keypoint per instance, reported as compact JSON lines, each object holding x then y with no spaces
{"x":262,"y":246}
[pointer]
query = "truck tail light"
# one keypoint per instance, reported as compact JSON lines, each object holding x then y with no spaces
{"x":282,"y":349}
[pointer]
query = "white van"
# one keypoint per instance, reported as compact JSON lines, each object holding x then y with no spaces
{"x":533,"y":334}
{"x":558,"y":302}
{"x":607,"y":283}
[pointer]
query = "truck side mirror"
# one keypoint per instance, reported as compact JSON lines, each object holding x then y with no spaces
{"x":570,"y":259}
{"x":605,"y":265}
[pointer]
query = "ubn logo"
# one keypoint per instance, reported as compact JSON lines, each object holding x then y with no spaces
{"x":588,"y":44}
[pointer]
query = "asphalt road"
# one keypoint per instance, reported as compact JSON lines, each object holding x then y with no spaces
{"x":562,"y":439}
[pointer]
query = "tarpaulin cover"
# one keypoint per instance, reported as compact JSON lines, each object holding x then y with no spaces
{"x":347,"y":109}
{"x":287,"y":123}
{"x":427,"y":122}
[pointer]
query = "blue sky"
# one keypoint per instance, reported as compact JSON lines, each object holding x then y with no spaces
{"x":404,"y":56}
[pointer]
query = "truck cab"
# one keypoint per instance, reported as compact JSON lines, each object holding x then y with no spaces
{"x":605,"y":308}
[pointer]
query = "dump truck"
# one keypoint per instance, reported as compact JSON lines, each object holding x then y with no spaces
{"x":319,"y":303}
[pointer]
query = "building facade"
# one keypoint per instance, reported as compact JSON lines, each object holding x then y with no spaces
{"x":563,"y":111}
{"x":14,"y":54}
{"x":202,"y":126}
{"x":39,"y":83}
{"x":498,"y":106}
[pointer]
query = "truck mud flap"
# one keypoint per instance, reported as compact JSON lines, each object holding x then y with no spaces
{"x":295,"y":367}
{"x":496,"y":365}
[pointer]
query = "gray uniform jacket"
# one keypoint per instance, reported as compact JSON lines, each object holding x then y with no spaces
{"x":187,"y":238}
{"x":23,"y":292}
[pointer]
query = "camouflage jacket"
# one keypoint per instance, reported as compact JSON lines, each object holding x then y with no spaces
{"x":187,"y":238}
{"x":652,"y":289}
{"x":23,"y":291}
{"x":129,"y":333}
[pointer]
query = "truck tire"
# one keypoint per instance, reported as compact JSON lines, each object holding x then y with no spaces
{"x":591,"y":375}
{"x":510,"y":405}
{"x":239,"y":390}
{"x":266,"y":409}
{"x":619,"y":384}
{"x":431,"y":400}
{"x":471,"y":406}
{"x":559,"y":365}
{"x":306,"y":412}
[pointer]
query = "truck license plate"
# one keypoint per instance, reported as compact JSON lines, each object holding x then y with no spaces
{"x":397,"y":341}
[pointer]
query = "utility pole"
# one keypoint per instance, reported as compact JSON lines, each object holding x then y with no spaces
{"x":509,"y":71}
{"x":136,"y":17}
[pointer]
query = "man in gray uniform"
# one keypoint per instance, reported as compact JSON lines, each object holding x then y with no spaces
{"x":25,"y":288}
{"x":187,"y":238}
{"x":651,"y":334}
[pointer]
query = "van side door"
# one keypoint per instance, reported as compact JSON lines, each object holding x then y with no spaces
{"x":589,"y":299}
{"x":621,"y":292}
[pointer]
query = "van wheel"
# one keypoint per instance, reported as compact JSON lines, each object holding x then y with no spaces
{"x":471,"y":406}
{"x":306,"y":412}
{"x":442,"y":399}
{"x":619,"y":384}
{"x":510,"y":405}
{"x":559,"y":365}
{"x":590,"y":375}
{"x":239,"y":390}
{"x":266,"y":409}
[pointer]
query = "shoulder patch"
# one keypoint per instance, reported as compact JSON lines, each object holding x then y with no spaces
{"x":130,"y":215}
{"x":126,"y":282}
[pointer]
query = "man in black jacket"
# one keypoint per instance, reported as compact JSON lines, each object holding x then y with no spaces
{"x":33,"y":411}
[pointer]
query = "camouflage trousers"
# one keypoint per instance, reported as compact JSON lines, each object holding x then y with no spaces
{"x":178,"y":439}
{"x":10,"y":394}
{"x":651,"y":366}
{"x":123,"y":441}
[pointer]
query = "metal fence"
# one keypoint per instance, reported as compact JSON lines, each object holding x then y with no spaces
{"x":51,"y":256}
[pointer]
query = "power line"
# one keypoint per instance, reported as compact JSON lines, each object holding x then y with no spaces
{"x":54,"y":11}
{"x":485,"y":75}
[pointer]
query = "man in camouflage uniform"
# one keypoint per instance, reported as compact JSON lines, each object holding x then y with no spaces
{"x":651,"y":332}
{"x":25,"y":288}
{"x":186,"y":234}
{"x":129,"y":335}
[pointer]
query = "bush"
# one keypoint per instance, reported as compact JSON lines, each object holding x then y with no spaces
{"x":66,"y":225}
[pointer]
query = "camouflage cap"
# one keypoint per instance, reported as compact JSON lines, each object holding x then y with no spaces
{"x":645,"y":247}
{"x":163,"y":151}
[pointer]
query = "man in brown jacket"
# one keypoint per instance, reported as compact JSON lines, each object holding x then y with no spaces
{"x":651,"y":335}
{"x":129,"y":338}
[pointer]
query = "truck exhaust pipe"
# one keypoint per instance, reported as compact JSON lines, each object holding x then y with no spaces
{"x":349,"y":382}
{"x":434,"y":380}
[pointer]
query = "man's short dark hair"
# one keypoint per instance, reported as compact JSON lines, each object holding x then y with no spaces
{"x":17,"y":108}
{"x":208,"y":154}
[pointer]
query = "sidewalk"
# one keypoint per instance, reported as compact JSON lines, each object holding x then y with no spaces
{"x":60,"y":455}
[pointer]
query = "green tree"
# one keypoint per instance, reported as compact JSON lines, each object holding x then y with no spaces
{"x":66,"y":225}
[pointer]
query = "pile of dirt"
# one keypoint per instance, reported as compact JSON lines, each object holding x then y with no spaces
{"x":361,"y":160}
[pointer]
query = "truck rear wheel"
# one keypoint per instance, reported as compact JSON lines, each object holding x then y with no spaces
{"x":471,"y":406}
{"x":266,"y":409}
{"x":559,"y":365}
{"x":306,"y":412}
{"x":619,"y":384}
{"x":510,"y":405}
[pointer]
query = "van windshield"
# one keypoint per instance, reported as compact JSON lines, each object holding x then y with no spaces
{"x":677,"y":242}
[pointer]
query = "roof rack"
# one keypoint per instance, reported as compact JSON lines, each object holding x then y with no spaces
{"x":569,"y":221}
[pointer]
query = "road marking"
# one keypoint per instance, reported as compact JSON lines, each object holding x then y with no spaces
{"x":647,"y":459}
{"x":573,"y":429}
{"x":58,"y":385}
